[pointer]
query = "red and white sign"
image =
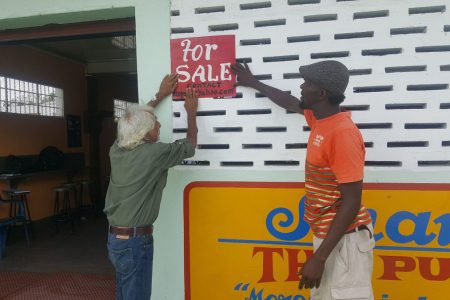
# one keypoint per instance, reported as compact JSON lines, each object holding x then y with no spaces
{"x":203,"y":63}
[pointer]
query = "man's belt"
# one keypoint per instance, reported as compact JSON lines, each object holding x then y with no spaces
{"x":359,"y":228}
{"x":131,"y":231}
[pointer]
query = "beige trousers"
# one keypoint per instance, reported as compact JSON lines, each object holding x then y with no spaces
{"x":348,"y":269}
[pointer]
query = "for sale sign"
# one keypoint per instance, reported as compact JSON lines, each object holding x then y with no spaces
{"x":203,"y":63}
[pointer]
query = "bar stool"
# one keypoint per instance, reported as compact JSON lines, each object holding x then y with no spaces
{"x":87,"y":192}
{"x":74,"y":187}
{"x":63,"y":211}
{"x":19,"y":211}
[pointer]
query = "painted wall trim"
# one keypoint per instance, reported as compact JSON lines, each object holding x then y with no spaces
{"x":85,"y":29}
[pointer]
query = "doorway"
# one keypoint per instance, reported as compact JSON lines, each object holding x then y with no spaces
{"x":105,"y":51}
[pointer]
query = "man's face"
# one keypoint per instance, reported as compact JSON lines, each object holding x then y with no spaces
{"x":310,"y":94}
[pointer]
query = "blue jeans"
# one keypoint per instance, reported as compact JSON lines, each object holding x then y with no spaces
{"x":133,"y":260}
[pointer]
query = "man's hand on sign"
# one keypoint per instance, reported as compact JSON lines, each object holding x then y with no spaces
{"x":245,"y":76}
{"x":191,"y":101}
{"x":311,"y":273}
{"x":168,"y":85}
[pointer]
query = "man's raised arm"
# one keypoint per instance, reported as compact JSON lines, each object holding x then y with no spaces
{"x":283,"y":99}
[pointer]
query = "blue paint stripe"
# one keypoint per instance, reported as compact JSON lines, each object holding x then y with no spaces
{"x":412,"y":248}
{"x":262,"y":242}
{"x":235,"y":241}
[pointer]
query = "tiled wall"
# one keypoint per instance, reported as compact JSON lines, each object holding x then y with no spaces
{"x":399,"y":56}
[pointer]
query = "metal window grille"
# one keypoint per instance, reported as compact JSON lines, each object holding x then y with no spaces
{"x":24,"y":97}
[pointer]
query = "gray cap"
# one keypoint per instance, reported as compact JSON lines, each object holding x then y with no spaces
{"x":328,"y":74}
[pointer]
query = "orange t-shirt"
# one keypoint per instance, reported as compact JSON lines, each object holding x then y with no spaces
{"x":335,"y":155}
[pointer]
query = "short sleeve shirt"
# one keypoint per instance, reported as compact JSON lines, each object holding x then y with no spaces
{"x":335,"y":155}
{"x":337,"y":143}
{"x":138,"y":177}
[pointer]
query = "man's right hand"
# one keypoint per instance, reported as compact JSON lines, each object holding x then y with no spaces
{"x":191,"y":101}
{"x":280,"y":98}
{"x":245,"y":76}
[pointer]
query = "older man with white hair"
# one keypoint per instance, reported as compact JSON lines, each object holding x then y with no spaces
{"x":139,"y":166}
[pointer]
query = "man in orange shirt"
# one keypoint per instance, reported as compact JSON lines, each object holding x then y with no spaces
{"x":342,"y":263}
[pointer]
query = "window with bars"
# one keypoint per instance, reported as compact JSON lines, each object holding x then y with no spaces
{"x":120,"y":106}
{"x":24,"y":97}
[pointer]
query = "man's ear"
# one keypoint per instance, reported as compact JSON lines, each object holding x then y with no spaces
{"x":324,"y":94}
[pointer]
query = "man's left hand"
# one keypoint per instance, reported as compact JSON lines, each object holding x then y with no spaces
{"x":168,"y":85}
{"x":311,"y":273}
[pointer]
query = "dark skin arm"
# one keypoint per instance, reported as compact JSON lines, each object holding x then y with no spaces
{"x":312,"y":271}
{"x":246,"y":78}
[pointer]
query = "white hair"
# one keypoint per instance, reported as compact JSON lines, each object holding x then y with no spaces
{"x":135,"y":125}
